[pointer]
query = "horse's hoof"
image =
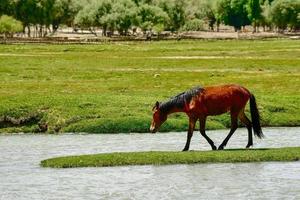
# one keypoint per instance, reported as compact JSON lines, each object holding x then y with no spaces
{"x":214,"y":148}
{"x":248,"y":146}
{"x":185,"y":150}
{"x":221,"y":147}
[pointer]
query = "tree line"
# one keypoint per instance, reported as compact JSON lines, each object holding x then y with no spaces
{"x":46,"y":16}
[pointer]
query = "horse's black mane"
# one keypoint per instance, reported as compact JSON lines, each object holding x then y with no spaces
{"x":180,"y":100}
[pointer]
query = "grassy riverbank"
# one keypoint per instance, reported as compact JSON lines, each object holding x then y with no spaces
{"x":111,"y":87}
{"x":167,"y":158}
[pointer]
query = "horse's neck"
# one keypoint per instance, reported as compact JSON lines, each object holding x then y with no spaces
{"x":172,"y":106}
{"x":175,"y":110}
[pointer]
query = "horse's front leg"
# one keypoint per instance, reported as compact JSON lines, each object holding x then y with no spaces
{"x":192,"y":122}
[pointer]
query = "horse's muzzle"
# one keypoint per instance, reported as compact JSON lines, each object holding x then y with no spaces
{"x":153,"y":129}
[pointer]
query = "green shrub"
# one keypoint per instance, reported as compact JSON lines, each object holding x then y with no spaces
{"x":9,"y":26}
{"x":193,"y":25}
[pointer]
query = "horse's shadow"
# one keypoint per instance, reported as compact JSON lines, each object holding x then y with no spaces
{"x":241,"y":149}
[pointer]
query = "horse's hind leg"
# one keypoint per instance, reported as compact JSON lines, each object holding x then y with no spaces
{"x":202,"y":131}
{"x":234,"y":126}
{"x":244,"y":119}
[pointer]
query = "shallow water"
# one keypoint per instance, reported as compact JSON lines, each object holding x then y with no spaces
{"x":21,"y":177}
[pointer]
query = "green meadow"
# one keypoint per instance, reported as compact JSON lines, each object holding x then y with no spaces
{"x":167,"y":158}
{"x":111,"y":87}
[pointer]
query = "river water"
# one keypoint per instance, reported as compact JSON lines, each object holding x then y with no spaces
{"x":21,"y":177}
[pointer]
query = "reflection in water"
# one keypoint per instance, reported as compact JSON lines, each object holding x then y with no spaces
{"x":22,"y":178}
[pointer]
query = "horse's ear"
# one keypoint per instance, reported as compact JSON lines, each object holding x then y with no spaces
{"x":157,"y":104}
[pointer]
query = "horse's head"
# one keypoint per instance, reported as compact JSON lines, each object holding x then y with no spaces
{"x":158,"y":118}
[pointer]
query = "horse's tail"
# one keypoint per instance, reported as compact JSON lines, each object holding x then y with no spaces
{"x":255,"y":117}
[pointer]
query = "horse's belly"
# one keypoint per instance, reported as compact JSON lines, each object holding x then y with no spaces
{"x":217,"y":110}
{"x":218,"y":107}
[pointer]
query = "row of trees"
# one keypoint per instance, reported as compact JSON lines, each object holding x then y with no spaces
{"x":158,"y":15}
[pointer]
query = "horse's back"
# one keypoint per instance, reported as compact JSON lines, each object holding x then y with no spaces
{"x":227,"y":91}
{"x":216,"y":100}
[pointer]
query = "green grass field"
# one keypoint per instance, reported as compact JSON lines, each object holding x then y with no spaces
{"x":111,"y":87}
{"x":167,"y":158}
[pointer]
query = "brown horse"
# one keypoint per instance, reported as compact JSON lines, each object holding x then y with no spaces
{"x":198,"y":103}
